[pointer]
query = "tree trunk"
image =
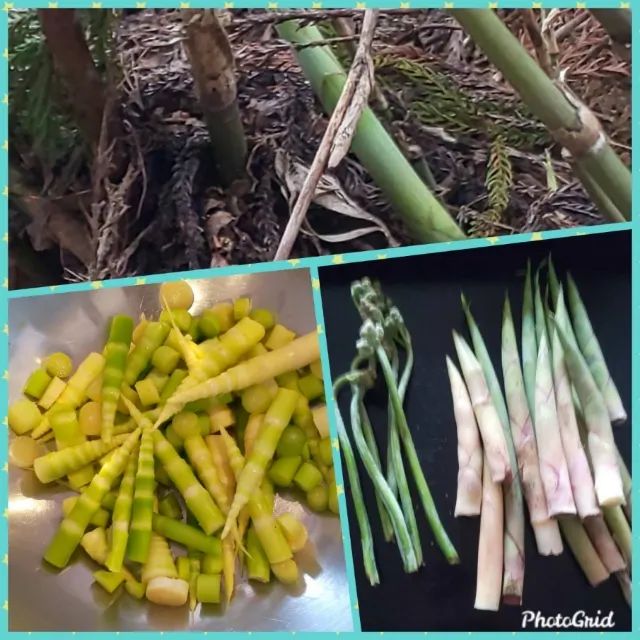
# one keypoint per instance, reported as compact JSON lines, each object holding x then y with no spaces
{"x":72,"y":61}
{"x":213,"y":69}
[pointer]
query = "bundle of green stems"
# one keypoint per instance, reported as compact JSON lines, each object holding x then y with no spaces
{"x":384,"y":342}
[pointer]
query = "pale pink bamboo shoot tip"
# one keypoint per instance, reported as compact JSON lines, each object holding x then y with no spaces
{"x":469,"y":490}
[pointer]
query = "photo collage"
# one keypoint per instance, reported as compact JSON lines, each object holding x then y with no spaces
{"x":319,"y":318}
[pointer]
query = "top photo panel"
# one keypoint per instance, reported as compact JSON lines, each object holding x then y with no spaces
{"x":152,"y":141}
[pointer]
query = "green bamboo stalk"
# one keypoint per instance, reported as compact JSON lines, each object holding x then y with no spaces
{"x":72,"y":528}
{"x":423,"y":214}
{"x":115,"y":353}
{"x":57,"y":464}
{"x":602,"y":201}
{"x":122,"y":516}
{"x":143,"y":495}
{"x":186,"y":534}
{"x":196,"y":497}
{"x":572,"y":126}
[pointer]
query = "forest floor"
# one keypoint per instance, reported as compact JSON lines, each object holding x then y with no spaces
{"x":452,"y":113}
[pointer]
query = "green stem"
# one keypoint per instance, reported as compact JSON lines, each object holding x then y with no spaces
{"x":428,"y":504}
{"x":423,"y":214}
{"x":550,"y":104}
{"x":366,"y":538}
{"x":382,"y":488}
{"x":395,"y":453}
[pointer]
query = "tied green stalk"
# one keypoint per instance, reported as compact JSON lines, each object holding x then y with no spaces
{"x":115,"y":353}
{"x":426,"y":218}
{"x":72,"y":528}
{"x":513,"y":581}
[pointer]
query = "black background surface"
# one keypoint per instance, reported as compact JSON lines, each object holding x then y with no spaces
{"x":427,"y":291}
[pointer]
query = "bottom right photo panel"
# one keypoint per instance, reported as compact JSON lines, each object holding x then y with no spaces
{"x":483,"y":407}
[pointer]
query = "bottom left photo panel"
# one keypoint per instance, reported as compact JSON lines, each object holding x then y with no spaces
{"x":171,"y":465}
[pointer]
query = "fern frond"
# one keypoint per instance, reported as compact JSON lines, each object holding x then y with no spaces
{"x":499,"y":178}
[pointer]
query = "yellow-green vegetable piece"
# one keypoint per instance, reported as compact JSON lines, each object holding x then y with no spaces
{"x":311,"y":387}
{"x":283,"y":470}
{"x":90,"y":418}
{"x":36,"y":384}
{"x":294,"y":531}
{"x":241,"y":308}
{"x":76,"y":390}
{"x":165,"y":359}
{"x":321,"y":420}
{"x":52,"y":393}
{"x":279,"y":337}
{"x":95,"y":544}
{"x":107,"y":580}
{"x":176,"y":295}
{"x":23,"y":450}
{"x":24,"y":416}
{"x":147,"y":392}
{"x":208,"y":588}
{"x":318,"y":497}
{"x":135,"y":589}
{"x":94,"y":390}
{"x":66,"y":428}
{"x":220,"y":417}
{"x":159,"y":562}
{"x":258,"y":397}
{"x":184,"y":569}
{"x":316,"y":369}
{"x":258,"y":567}
{"x":325,"y":453}
{"x":308,"y":476}
{"x":168,"y":592}
{"x":211,"y":563}
{"x":58,"y":364}
{"x":264,"y":317}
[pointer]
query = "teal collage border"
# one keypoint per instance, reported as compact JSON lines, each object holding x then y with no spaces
{"x":311,"y":263}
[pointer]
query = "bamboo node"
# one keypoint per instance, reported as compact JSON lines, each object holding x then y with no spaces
{"x":588,"y":138}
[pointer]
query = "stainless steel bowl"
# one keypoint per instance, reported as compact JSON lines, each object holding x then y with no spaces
{"x":44,"y":600}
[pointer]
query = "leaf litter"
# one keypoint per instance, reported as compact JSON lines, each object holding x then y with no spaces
{"x":166,"y":212}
